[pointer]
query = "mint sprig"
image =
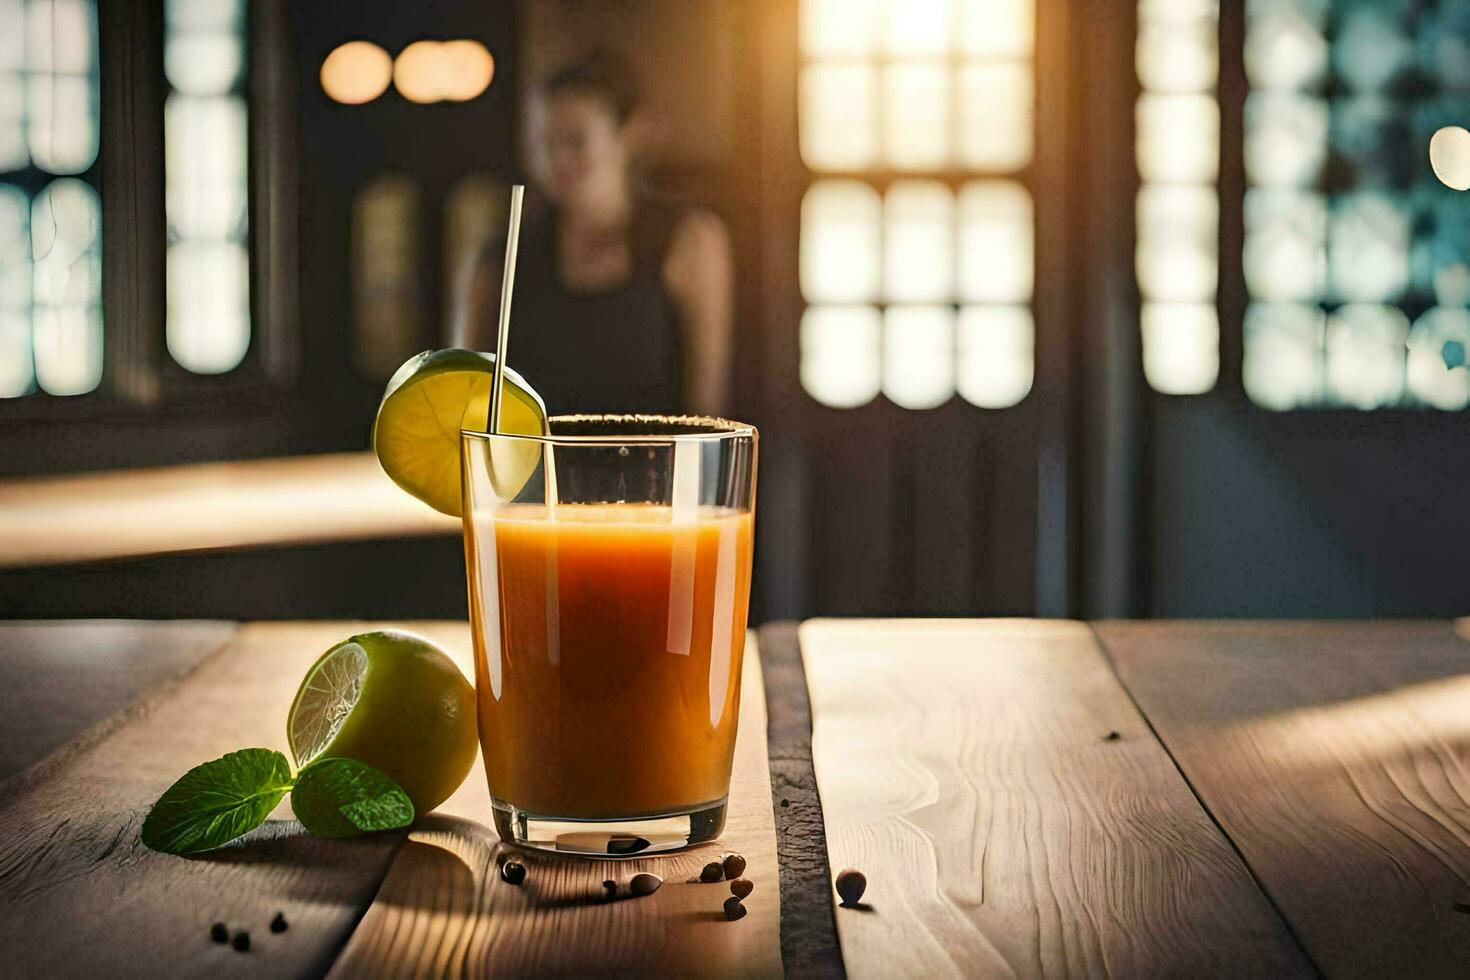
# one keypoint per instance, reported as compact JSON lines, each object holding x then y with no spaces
{"x":337,"y":798}
{"x":214,"y":803}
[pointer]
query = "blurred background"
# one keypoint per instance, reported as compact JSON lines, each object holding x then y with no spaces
{"x":1125,"y":308}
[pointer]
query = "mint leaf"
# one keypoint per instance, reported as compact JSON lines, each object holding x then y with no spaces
{"x":344,"y":798}
{"x":218,"y":801}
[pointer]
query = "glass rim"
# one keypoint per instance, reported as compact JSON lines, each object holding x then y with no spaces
{"x":720,"y":429}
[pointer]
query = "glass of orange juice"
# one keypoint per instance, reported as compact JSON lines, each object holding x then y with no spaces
{"x":609,"y":578}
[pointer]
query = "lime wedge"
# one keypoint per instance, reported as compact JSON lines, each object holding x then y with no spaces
{"x":429,"y":399}
{"x":325,"y":699}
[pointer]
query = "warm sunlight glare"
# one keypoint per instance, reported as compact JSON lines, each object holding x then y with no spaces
{"x":356,"y":72}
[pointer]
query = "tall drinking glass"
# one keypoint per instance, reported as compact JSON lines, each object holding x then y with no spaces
{"x":609,"y":579}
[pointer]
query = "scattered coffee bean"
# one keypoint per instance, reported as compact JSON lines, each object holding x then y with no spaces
{"x":741,"y":887}
{"x":278,"y":924}
{"x":219,"y":932}
{"x":713,"y":871}
{"x":734,"y":866}
{"x":610,"y":889}
{"x":733,"y":908}
{"x":241,"y":940}
{"x":1111,"y":737}
{"x":1461,"y":907}
{"x":514,"y":872}
{"x":850,"y":885}
{"x":644,"y":883}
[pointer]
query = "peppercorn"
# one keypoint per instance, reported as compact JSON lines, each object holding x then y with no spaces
{"x":219,"y":932}
{"x":644,"y":883}
{"x":242,"y":940}
{"x":278,"y":924}
{"x":850,"y":885}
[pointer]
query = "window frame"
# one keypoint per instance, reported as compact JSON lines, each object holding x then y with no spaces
{"x":139,"y":378}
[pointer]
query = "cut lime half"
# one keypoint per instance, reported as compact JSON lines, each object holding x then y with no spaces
{"x":325,"y":700}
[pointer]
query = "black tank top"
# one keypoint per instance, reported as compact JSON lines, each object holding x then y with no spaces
{"x":612,"y":350}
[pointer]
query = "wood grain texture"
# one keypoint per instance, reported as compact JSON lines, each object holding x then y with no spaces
{"x":808,"y":929}
{"x":58,"y":679}
{"x":1335,"y":757}
{"x":443,"y":911}
{"x":256,"y":503}
{"x":81,"y":896}
{"x":964,"y":767}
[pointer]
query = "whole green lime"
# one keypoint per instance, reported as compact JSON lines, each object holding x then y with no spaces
{"x":394,"y":700}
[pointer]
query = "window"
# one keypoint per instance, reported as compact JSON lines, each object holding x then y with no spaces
{"x":1356,"y":260}
{"x":1177,"y":127}
{"x":50,"y":214}
{"x":206,"y":185}
{"x":916,"y":257}
{"x":385,"y":275}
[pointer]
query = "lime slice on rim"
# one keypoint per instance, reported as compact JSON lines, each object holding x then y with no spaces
{"x":395,"y":701}
{"x":429,"y":399}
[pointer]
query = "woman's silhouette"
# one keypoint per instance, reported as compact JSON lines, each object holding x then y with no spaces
{"x":622,"y":302}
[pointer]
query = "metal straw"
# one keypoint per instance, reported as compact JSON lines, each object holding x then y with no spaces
{"x":507,"y":287}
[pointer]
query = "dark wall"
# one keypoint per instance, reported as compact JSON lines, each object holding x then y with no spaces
{"x":1255,"y":513}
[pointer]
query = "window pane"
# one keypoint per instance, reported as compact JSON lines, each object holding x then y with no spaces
{"x":1283,"y":355}
{"x":1181,"y":347}
{"x":17,"y":369}
{"x":994,"y":116}
{"x":838,"y":28}
{"x":1368,"y":247}
{"x":996,"y":354}
{"x":839,"y":119}
{"x":1372,"y":49}
{"x":385,"y":275}
{"x":15,"y":249}
{"x":68,"y":349}
{"x":1365,"y":355}
{"x":840,"y":229}
{"x":840,"y":363}
{"x":62,"y":124}
{"x":208,"y":305}
{"x":1285,"y":244}
{"x":918,"y":260}
{"x":917,"y":27}
{"x":1178,"y":138}
{"x":916,"y":127}
{"x":204,"y":15}
{"x":203,"y":63}
{"x":995,"y":242}
{"x":1285,"y":138}
{"x":1177,"y":243}
{"x":997,"y":28}
{"x":918,"y":355}
{"x":66,"y":241}
{"x":60,"y":36}
{"x":1284,"y":47}
{"x":1438,"y":343}
{"x":1177,"y":56}
{"x":13,"y":152}
{"x":12,"y":41}
{"x":204,"y":160}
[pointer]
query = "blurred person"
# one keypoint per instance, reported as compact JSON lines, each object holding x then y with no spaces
{"x":623,"y":303}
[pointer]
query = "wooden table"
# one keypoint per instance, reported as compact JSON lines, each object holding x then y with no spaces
{"x":1026,"y":798}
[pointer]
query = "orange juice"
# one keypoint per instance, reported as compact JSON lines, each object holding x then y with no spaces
{"x":615,"y":691}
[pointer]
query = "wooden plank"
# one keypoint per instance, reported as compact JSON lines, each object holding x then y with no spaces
{"x":256,"y":503}
{"x":1333,"y":756}
{"x":965,"y":768}
{"x":58,"y":679}
{"x":808,"y":929}
{"x":81,"y":896}
{"x":443,"y":910}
